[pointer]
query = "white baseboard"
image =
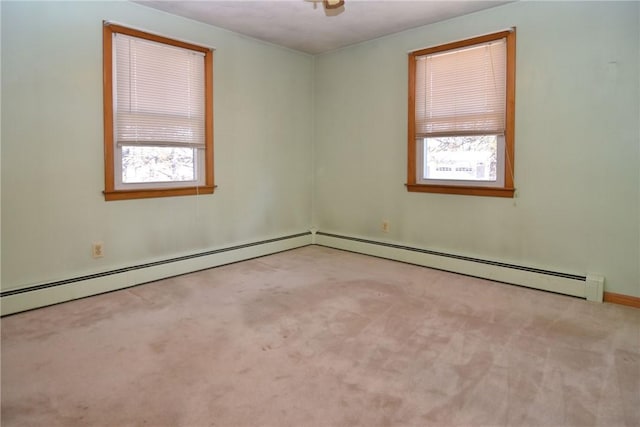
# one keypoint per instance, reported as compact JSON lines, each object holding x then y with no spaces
{"x":590,"y":287}
{"x":30,"y":297}
{"x":533,"y":278}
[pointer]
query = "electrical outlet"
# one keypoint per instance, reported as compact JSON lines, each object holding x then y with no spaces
{"x":385,"y":226}
{"x":97,"y":250}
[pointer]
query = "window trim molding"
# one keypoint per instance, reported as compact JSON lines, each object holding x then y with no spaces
{"x":110,"y":192}
{"x":508,"y":190}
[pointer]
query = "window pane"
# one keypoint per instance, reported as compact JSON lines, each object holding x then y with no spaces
{"x":158,"y":164}
{"x":468,"y":158}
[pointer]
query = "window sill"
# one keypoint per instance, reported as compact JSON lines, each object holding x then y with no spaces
{"x":147,"y":194}
{"x":462,"y":190}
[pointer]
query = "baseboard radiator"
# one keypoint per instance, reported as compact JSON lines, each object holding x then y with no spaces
{"x":590,"y":287}
{"x":30,"y":297}
{"x":44,"y":294}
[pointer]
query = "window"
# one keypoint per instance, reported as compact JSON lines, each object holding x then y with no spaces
{"x":461,"y":117}
{"x":158,"y":115}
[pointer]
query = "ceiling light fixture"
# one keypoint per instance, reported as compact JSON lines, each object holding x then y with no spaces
{"x":333,"y":4}
{"x":331,"y":7}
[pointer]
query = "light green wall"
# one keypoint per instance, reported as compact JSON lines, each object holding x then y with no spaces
{"x":577,"y":144}
{"x":289,"y":126}
{"x":52,"y":149}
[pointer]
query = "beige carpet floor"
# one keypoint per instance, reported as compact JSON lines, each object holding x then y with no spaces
{"x":321,"y":337}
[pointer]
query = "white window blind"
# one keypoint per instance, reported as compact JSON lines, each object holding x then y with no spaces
{"x":159,"y":94}
{"x":461,"y":92}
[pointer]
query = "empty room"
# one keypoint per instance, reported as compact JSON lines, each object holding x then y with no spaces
{"x":320,"y":213}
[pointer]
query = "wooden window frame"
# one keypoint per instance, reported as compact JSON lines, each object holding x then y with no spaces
{"x":110,"y":192}
{"x":507,"y":190}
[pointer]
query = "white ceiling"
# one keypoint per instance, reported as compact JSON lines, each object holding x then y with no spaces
{"x":298,"y":25}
